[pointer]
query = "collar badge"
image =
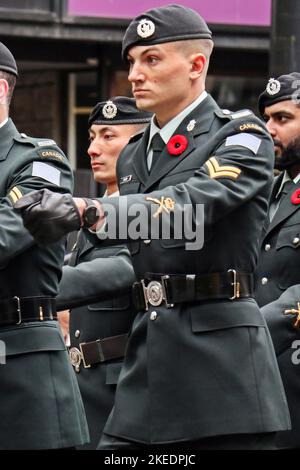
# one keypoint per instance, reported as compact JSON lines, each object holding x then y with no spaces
{"x":191,"y":125}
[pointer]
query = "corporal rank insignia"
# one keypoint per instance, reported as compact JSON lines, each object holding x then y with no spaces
{"x":217,"y":171}
{"x":166,"y":204}
{"x":145,"y":28}
{"x":15,"y":194}
{"x":273,"y":86}
{"x":109,"y":110}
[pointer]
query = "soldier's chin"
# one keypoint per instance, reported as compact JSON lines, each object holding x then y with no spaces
{"x":282,"y":163}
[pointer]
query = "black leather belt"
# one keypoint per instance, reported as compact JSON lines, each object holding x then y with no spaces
{"x":17,"y":310}
{"x":156,"y":289}
{"x":101,"y":350}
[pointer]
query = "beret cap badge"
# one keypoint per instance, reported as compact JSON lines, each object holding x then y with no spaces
{"x":109,"y":110}
{"x":145,"y":28}
{"x":273,"y":86}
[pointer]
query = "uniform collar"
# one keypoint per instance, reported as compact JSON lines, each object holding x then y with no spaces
{"x":8,"y":133}
{"x":286,"y":177}
{"x":168,"y":130}
{"x":3,"y":122}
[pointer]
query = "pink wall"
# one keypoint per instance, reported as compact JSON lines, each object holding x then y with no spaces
{"x":251,"y":12}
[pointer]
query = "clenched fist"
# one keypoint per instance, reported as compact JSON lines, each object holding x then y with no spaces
{"x":48,"y":216}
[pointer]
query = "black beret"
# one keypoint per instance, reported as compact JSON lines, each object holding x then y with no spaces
{"x":285,"y":87}
{"x":165,"y":24}
{"x":118,"y":110}
{"x":7,"y":60}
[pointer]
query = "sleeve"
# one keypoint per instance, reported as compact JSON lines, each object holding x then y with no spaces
{"x":95,"y":280}
{"x":280,"y":322}
{"x":30,"y":172}
{"x":239,"y":168}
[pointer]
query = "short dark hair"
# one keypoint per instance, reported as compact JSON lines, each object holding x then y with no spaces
{"x":11,"y":80}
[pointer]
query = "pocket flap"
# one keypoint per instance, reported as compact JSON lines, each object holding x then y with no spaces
{"x":220,"y":315}
{"x":289,"y":236}
{"x":33,"y":338}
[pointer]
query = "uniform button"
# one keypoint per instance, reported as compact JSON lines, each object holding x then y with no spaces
{"x":267,"y":247}
{"x":147,"y":242}
{"x":296,"y":240}
{"x":264,"y":281}
{"x":153,"y":316}
{"x":77,"y":334}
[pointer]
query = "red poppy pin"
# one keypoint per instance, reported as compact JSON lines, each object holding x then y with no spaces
{"x":177,"y":144}
{"x":295,"y":197}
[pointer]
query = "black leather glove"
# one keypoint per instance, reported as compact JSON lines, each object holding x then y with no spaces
{"x":48,"y":216}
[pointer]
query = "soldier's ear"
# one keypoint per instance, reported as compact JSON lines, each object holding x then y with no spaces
{"x":198,"y":62}
{"x":3,"y":90}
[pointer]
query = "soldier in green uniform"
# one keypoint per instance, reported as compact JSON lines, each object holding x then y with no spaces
{"x":97,"y":281}
{"x":41,"y":407}
{"x":200,"y":368}
{"x":277,"y":277}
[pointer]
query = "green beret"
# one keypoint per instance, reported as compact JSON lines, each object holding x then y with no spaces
{"x":285,"y":87}
{"x":118,"y":110}
{"x":164,"y":24}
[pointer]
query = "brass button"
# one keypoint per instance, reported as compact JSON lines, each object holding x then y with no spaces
{"x":77,"y":334}
{"x":153,"y":316}
{"x":264,"y":281}
{"x":147,"y":242}
{"x":296,"y":240}
{"x":267,"y":247}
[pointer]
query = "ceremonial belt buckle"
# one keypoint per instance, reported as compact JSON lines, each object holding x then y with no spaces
{"x":155,"y":293}
{"x":75,"y":357}
{"x":235,"y":284}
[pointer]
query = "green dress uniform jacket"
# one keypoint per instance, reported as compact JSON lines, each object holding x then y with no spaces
{"x":41,"y":407}
{"x":278,"y":265}
{"x":96,"y":284}
{"x":286,"y":339}
{"x":202,"y":368}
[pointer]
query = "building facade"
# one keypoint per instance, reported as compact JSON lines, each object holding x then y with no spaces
{"x":69,"y":57}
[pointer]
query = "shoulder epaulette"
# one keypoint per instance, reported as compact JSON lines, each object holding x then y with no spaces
{"x":136,"y":137}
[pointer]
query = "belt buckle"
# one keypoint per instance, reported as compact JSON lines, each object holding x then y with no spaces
{"x":235,"y":284}
{"x":81,"y":346}
{"x":75,"y":357}
{"x":155,"y":293}
{"x":18,"y":310}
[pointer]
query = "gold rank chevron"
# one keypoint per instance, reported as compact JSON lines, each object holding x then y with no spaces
{"x":218,"y":171}
{"x":15,"y":194}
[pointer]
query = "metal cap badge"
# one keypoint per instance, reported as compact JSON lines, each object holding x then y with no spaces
{"x":273,"y":86}
{"x":109,"y":110}
{"x":145,"y":28}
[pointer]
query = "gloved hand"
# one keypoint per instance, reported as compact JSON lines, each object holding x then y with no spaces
{"x":48,"y":216}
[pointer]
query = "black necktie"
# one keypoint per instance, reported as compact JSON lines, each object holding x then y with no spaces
{"x":157,"y":145}
{"x":278,"y":201}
